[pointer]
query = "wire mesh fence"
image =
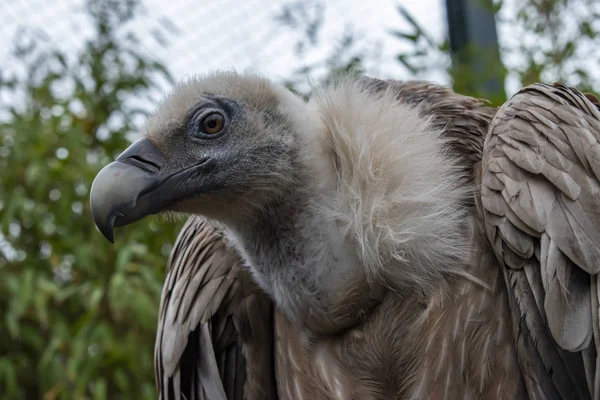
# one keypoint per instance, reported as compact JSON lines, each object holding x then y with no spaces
{"x":192,"y":37}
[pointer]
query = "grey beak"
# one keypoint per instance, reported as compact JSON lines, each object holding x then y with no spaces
{"x":140,"y":182}
{"x":120,"y":192}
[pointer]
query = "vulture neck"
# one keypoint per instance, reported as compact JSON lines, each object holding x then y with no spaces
{"x":377,"y":203}
{"x":305,"y":263}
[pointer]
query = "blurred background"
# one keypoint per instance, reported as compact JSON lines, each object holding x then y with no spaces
{"x":78,"y":77}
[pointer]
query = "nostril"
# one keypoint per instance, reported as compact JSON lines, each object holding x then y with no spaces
{"x":142,"y":163}
{"x":142,"y":160}
{"x":144,"y":155}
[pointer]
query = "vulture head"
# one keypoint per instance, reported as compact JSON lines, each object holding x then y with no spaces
{"x":319,"y":197}
{"x":224,"y":146}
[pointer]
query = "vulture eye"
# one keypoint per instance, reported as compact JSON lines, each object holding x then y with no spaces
{"x":213,"y":123}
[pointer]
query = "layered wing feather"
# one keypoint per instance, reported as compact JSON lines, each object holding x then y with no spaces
{"x":541,"y":202}
{"x":215,"y":328}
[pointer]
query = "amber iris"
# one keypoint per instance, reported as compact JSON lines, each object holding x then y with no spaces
{"x":213,"y":123}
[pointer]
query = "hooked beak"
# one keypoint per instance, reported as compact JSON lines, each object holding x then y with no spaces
{"x":137,"y":184}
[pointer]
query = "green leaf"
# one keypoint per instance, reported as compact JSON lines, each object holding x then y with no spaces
{"x":407,"y":36}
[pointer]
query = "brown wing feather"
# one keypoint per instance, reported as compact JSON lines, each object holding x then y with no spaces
{"x":215,"y":328}
{"x":541,"y":201}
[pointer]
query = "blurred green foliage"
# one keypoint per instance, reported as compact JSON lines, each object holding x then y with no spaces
{"x":557,"y":40}
{"x":540,"y":41}
{"x":78,"y":314}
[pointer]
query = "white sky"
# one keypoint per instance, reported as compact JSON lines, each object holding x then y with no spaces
{"x":227,"y":34}
{"x":240,"y":34}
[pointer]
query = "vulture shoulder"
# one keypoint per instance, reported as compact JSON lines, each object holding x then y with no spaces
{"x":463,"y":120}
{"x":540,"y":196}
{"x":215,"y":336}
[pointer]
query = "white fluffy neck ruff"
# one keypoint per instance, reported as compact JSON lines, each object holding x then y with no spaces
{"x":397,"y":198}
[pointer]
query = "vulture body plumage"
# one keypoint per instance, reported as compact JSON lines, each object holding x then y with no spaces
{"x":385,"y":240}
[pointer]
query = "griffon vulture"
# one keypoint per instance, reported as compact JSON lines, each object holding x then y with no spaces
{"x":383,"y":240}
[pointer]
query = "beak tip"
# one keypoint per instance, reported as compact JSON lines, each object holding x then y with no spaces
{"x":106,"y":227}
{"x":109,"y":235}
